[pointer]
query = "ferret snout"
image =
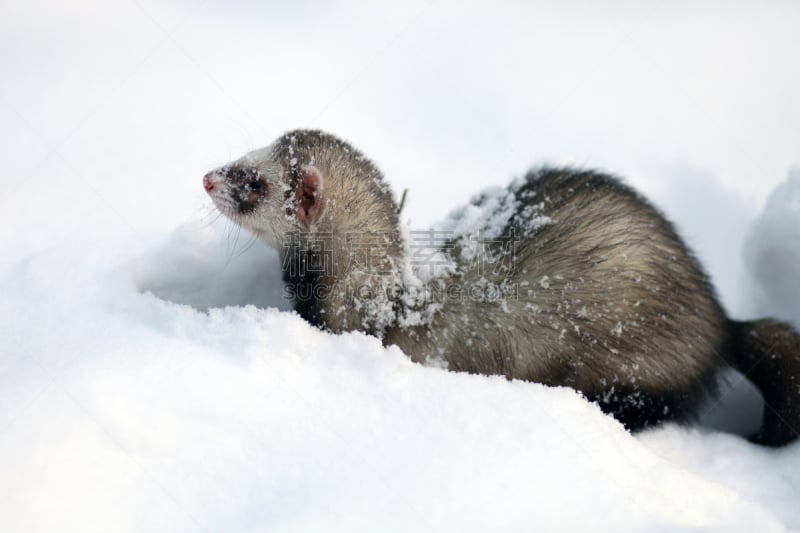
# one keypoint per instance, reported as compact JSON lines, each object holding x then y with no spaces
{"x":209,"y":182}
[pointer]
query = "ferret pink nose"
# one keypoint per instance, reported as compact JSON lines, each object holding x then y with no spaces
{"x":208,"y":183}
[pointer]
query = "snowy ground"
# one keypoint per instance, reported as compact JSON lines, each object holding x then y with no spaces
{"x":150,"y":376}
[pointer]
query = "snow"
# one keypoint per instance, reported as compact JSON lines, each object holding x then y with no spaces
{"x":162,"y":417}
{"x":483,"y":219}
{"x":151,"y":375}
{"x":773,"y":252}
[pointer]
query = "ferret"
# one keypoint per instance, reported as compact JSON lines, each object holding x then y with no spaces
{"x":567,"y":277}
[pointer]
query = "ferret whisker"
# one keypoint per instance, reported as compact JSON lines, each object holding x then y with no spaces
{"x":249,"y":244}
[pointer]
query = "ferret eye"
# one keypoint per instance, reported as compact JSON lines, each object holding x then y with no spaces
{"x":254,"y":186}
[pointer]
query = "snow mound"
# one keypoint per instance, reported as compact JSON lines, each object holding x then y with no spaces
{"x":772,"y":252}
{"x":207,"y":266}
{"x":121,"y":410}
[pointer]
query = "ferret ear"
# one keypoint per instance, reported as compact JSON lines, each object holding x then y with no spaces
{"x":308,"y":199}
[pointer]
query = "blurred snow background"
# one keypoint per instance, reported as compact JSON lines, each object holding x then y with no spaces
{"x":122,"y":411}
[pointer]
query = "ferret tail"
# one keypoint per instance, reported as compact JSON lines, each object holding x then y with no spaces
{"x":767,"y":352}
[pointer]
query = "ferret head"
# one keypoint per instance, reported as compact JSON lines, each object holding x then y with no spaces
{"x":306,"y":181}
{"x":279,"y":189}
{"x":308,"y":188}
